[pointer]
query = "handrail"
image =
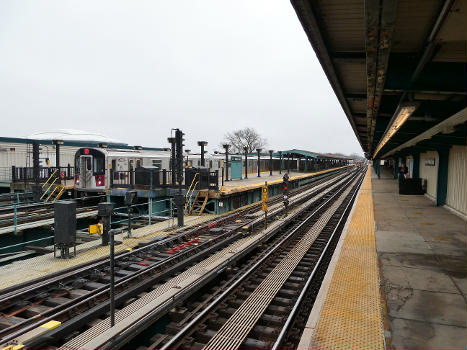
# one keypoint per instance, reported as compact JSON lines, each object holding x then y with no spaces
{"x":47,"y":190}
{"x":190,"y":196}
{"x":50,"y":177}
{"x":192,"y":189}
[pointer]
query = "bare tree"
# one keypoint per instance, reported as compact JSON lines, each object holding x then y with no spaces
{"x":247,"y":137}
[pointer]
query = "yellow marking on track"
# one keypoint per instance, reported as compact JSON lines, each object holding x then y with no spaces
{"x":51,"y":325}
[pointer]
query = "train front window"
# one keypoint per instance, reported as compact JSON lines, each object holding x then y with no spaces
{"x":99,"y":165}
{"x":88,"y":163}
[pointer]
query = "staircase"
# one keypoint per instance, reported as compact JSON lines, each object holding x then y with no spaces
{"x":53,"y":190}
{"x":55,"y":193}
{"x":199,"y":203}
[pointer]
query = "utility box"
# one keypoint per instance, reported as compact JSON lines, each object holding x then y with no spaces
{"x":411,"y":186}
{"x":235,"y":168}
{"x":147,"y":177}
{"x":65,"y":227}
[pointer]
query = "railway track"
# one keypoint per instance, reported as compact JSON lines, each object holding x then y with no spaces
{"x":263,"y":306}
{"x":79,"y":295}
{"x":27,"y":213}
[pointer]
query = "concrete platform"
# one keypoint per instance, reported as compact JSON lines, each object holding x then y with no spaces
{"x":253,"y":181}
{"x":422,"y":255}
{"x":398,"y":278}
{"x":40,"y":266}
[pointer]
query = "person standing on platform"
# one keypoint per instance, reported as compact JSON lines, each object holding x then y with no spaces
{"x":403,"y":171}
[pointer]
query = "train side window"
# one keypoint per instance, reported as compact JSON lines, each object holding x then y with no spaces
{"x":157,"y":163}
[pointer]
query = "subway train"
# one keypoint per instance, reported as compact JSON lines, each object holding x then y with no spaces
{"x":96,"y":169}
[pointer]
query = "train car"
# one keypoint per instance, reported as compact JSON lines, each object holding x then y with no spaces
{"x":93,"y":165}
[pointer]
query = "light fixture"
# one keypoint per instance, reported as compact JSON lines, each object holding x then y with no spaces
{"x":403,"y":112}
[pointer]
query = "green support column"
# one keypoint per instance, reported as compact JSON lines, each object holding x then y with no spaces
{"x":305,"y":168}
{"x":396,"y":168}
{"x":442,"y":186}
{"x":416,"y":165}
{"x":377,"y":166}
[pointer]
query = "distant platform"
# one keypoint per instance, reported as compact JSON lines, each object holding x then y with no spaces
{"x":237,"y":193}
{"x":254,"y":182}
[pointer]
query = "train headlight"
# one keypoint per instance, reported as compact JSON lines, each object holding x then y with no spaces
{"x":100,"y":180}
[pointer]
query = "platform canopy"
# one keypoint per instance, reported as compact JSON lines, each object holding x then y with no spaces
{"x":298,"y":153}
{"x":398,"y":68}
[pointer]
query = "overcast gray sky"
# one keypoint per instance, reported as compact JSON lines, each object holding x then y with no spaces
{"x":135,"y":69}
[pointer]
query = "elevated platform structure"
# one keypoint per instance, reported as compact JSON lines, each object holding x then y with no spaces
{"x":398,"y":69}
{"x":397,"y":279}
{"x":237,"y":193}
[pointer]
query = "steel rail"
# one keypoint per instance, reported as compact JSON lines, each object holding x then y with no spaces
{"x":172,"y":342}
{"x":163,"y":307}
{"x":76,"y":302}
{"x":17,"y":290}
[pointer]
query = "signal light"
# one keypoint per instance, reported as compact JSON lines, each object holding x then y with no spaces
{"x":86,"y":151}
{"x":100,"y":180}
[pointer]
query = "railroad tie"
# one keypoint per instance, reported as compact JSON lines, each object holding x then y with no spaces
{"x":91,"y":337}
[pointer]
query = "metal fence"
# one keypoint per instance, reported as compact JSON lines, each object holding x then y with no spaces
{"x":26,"y":174}
{"x":5,"y":174}
{"x":145,"y":178}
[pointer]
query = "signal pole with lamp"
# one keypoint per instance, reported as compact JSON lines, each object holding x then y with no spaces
{"x":112,"y":233}
{"x":179,"y":198}
{"x":285,"y":188}
{"x":130,"y":197}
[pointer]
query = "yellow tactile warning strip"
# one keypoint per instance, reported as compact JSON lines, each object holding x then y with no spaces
{"x":351,"y":314}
